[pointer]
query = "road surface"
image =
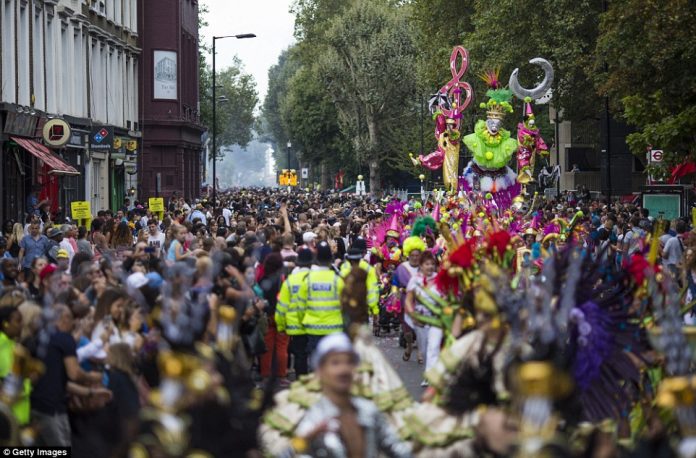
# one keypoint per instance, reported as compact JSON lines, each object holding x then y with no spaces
{"x":410,"y":371}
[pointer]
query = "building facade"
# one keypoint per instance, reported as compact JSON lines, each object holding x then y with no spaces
{"x":584,"y":160}
{"x":69,"y":73}
{"x":171,"y":152}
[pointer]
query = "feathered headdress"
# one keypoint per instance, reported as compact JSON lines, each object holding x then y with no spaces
{"x":424,"y":226}
{"x":499,"y":103}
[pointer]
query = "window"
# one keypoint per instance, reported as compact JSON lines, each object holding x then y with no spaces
{"x":23,"y":61}
{"x":38,"y":60}
{"x":8,"y":60}
{"x":64,"y":88}
{"x":638,"y":165}
{"x":587,"y":159}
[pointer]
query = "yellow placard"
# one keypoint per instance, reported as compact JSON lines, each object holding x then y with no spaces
{"x":80,"y":210}
{"x":156,"y":204}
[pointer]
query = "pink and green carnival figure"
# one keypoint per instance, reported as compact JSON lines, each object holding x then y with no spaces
{"x":530,"y":143}
{"x":447,"y":107}
{"x":492,"y":147}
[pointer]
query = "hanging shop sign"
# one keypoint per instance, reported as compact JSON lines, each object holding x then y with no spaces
{"x":56,"y":133}
{"x":101,"y":139}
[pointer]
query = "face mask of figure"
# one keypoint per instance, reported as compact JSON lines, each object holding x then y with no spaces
{"x":493,"y":126}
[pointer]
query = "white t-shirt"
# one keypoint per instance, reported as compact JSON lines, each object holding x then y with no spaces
{"x":156,"y":241}
{"x":64,"y":244}
{"x":227,"y":214}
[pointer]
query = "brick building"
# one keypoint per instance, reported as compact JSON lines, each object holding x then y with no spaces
{"x":171,"y":150}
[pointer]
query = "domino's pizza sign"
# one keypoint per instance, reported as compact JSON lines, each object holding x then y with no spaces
{"x":101,"y":138}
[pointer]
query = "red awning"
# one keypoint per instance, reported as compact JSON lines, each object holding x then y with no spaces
{"x":56,"y":164}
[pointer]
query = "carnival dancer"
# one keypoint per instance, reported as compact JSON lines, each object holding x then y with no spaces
{"x":375,"y":379}
{"x":419,"y":303}
{"x":386,"y":253}
{"x":413,"y":248}
{"x":340,"y":425}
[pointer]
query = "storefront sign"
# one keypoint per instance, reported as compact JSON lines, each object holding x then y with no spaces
{"x":165,"y":75}
{"x":80,"y":210}
{"x":156,"y":204}
{"x":77,"y":140}
{"x":101,"y":139}
{"x":21,"y":124}
{"x":56,"y":133}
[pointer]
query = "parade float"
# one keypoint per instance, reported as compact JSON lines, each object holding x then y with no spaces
{"x":491,"y":145}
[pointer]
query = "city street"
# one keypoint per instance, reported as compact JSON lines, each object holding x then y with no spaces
{"x":205,"y":203}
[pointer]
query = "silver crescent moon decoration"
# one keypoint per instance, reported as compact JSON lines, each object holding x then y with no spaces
{"x":539,"y":91}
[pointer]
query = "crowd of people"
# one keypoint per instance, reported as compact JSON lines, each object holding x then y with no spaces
{"x":246,"y":326}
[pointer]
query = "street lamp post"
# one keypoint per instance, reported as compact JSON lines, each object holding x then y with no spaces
{"x":239,"y":37}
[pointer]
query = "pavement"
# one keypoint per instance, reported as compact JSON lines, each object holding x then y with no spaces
{"x":410,"y":371}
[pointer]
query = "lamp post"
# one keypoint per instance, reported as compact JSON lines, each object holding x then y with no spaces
{"x":239,"y":37}
{"x":288,"y":151}
{"x":421,"y":177}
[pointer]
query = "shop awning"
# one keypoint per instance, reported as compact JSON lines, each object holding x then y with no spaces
{"x":56,"y":164}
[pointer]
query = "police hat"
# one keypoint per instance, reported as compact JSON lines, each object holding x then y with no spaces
{"x":324,"y":255}
{"x":304,"y":257}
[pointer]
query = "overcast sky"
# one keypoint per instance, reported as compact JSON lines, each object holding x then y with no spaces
{"x":270,"y":20}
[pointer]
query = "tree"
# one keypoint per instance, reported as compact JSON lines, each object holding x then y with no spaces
{"x":273,"y":124}
{"x":368,"y":68}
{"x":311,"y":122}
{"x":645,"y":61}
{"x":508,"y":33}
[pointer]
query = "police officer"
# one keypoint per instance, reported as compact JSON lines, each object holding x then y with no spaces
{"x":356,"y":258}
{"x":288,"y":315}
{"x":319,"y":299}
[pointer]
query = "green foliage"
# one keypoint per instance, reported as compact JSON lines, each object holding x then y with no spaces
{"x":368,"y":68}
{"x":438,"y":26}
{"x":273,"y":125}
{"x":508,"y":33}
{"x":235,"y":112}
{"x":651,"y":78}
{"x":310,"y":119}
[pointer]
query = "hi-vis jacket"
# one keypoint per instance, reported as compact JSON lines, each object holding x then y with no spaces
{"x":290,"y":310}
{"x":320,"y":300}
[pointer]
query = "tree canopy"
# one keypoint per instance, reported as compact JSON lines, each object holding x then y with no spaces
{"x":348,"y":94}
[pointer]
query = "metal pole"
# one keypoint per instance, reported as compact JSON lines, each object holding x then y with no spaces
{"x":606,"y":114}
{"x":558,"y":155}
{"x":214,"y":129}
{"x":608,"y":145}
